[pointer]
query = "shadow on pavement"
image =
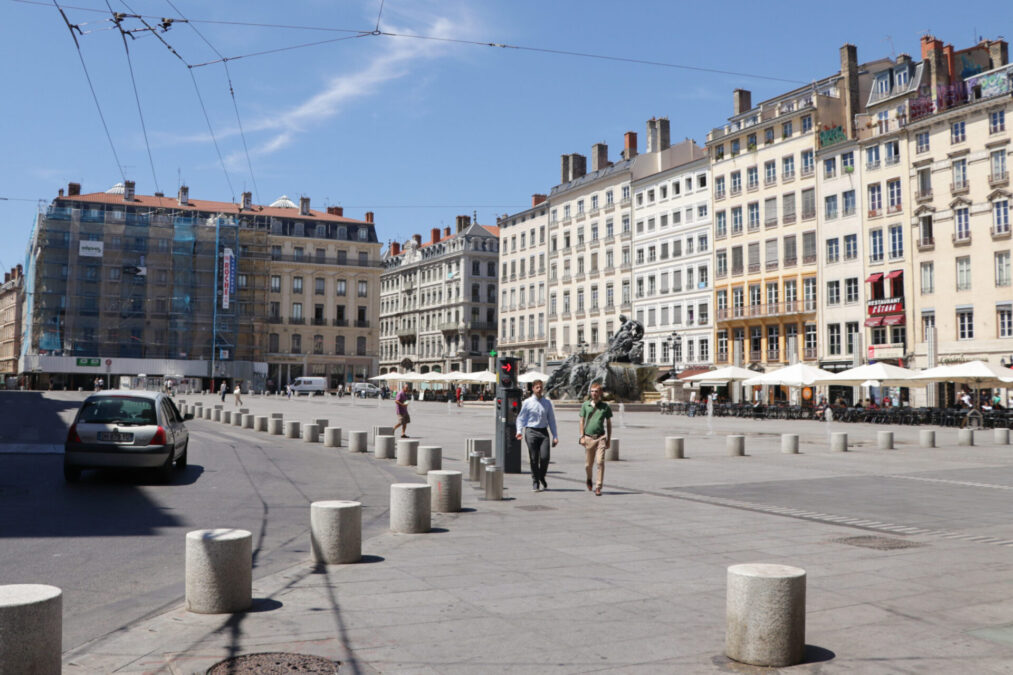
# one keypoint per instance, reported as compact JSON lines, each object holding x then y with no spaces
{"x":35,"y":417}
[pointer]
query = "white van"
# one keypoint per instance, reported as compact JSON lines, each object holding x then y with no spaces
{"x":309,"y":385}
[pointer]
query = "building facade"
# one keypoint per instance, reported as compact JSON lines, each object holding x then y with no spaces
{"x":120,"y":284}
{"x":672,"y":292}
{"x":523,"y":249}
{"x":590,"y":251}
{"x":11,"y":300}
{"x":438,"y":300}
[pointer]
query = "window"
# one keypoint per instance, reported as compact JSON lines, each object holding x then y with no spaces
{"x":737,"y":220}
{"x":896,"y":241}
{"x":997,"y":162}
{"x":997,"y":121}
{"x":790,"y":250}
{"x":752,"y":178}
{"x":770,"y":172}
{"x":788,"y":167}
{"x":872,"y":157}
{"x":807,"y":123}
{"x":788,"y":207}
{"x":754,"y":215}
{"x":808,"y":247}
{"x":736,"y":182}
{"x":830,"y":207}
{"x":1002,"y":268}
{"x":719,"y":187}
{"x":721,"y":263}
{"x":922,"y":142}
{"x":848,"y":202}
{"x":928,"y":324}
{"x":959,"y":174}
{"x":834,"y":338}
{"x":875,"y":199}
{"x":892,"y":152}
{"x":734,"y":146}
{"x":275,"y":283}
{"x":297,"y":344}
{"x":876,"y":246}
{"x":962,"y":222}
{"x":850,"y":246}
{"x":928,"y":270}
{"x":808,"y":204}
{"x":770,"y":248}
{"x":851,"y":290}
{"x":964,"y":273}
{"x":297,"y":284}
{"x":957,"y":134}
{"x":893,"y":195}
{"x":833,"y":292}
{"x":786,"y":129}
{"x":833,"y":250}
{"x":808,"y":163}
{"x":965,"y":324}
{"x":1004,"y":320}
{"x":318,"y":285}
{"x":830,"y":167}
{"x":341,"y":287}
{"x":848,"y":162}
{"x":720,"y":224}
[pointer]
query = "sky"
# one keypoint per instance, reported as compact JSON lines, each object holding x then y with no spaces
{"x":417,"y":130}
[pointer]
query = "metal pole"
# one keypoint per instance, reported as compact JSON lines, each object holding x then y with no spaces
{"x":214,"y":313}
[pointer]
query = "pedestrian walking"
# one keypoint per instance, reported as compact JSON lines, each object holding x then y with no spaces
{"x":401,"y":410}
{"x":536,"y":423}
{"x":221,"y":390}
{"x":459,"y":396}
{"x":237,"y":391}
{"x":288,"y":391}
{"x":595,"y":436}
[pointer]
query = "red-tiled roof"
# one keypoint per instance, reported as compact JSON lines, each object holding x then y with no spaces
{"x":491,"y":229}
{"x":204,"y":205}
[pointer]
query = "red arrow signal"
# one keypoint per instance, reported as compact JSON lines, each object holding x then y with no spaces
{"x":506,"y":367}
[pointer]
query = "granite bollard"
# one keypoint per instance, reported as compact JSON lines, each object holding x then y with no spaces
{"x":839,"y":441}
{"x":207,"y":413}
{"x":884,"y":440}
{"x":357,"y":441}
{"x":227,"y":417}
{"x":248,"y":421}
{"x":311,"y":433}
{"x":216,"y":414}
{"x":336,"y":531}
{"x":965,"y":437}
{"x":612,"y":452}
{"x":383,"y":447}
{"x":292,"y":429}
{"x":260,"y":422}
{"x":493,"y":483}
{"x":31,"y":629}
{"x":410,"y":510}
{"x":1000,"y":436}
{"x":445,"y":492}
{"x":275,"y":426}
{"x":675,"y":447}
{"x":407,"y":452}
{"x":735,"y":445}
{"x":332,"y":437}
{"x":430,"y":458}
{"x":237,"y":419}
{"x":765,"y":615}
{"x":789,"y":444}
{"x":927,"y":438}
{"x":219,"y":571}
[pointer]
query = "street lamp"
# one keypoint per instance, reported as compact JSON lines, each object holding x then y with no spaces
{"x":582,"y":348}
{"x":674,"y":341}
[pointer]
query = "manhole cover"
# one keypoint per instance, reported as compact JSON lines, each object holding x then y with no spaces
{"x":877,"y":543}
{"x":274,"y":663}
{"x":536,"y":507}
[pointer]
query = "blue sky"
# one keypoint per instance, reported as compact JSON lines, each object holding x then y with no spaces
{"x":417,"y":131}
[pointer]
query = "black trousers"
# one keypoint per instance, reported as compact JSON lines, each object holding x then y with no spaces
{"x":539,"y":442}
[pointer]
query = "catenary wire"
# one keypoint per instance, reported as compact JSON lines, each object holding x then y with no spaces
{"x":84,"y":66}
{"x":283,"y":49}
{"x":137,"y":96}
{"x":378,"y":15}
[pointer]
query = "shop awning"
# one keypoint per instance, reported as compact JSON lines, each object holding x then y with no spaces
{"x":894,"y":274}
{"x":874,"y":321}
{"x":893,"y":320}
{"x":873,"y":278}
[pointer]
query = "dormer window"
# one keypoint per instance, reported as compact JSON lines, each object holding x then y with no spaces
{"x":903,"y":78}
{"x":883,"y":84}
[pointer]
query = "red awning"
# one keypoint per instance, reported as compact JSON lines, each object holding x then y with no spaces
{"x":894,"y":274}
{"x":873,"y":278}
{"x":874,"y":321}
{"x":893,"y":320}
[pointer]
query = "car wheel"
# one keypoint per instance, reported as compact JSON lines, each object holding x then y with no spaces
{"x":181,"y":460}
{"x":71,"y":474}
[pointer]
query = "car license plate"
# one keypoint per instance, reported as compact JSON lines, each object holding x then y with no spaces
{"x":115,"y":436}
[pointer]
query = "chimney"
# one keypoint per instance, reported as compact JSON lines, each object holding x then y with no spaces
{"x":599,"y":157}
{"x":369,"y":217}
{"x":73,"y":189}
{"x":564,"y":169}
{"x":304,"y":206}
{"x":998,"y":53}
{"x":742,"y":100}
{"x":128,"y":190}
{"x":446,"y":232}
{"x":159,"y":194}
{"x":463,"y":222}
{"x":578,"y":166}
{"x":7,"y":277}
{"x":59,"y":193}
{"x":335,"y":210}
{"x":938,"y":73}
{"x":184,"y":195}
{"x":417,"y":238}
{"x":658,"y":134}
{"x":849,"y":71}
{"x":903,"y":59}
{"x":395,"y":248}
{"x":247,"y":200}
{"x":537,"y":199}
{"x":630,"y":145}
{"x":435,"y":235}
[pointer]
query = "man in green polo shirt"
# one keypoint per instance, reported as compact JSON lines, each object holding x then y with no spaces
{"x":595,"y":435}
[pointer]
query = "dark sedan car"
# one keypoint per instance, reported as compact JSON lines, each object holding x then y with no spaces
{"x":126,"y":429}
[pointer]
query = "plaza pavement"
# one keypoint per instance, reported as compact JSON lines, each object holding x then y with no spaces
{"x":909,"y":555}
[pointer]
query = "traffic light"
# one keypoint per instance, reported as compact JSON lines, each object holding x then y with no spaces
{"x":507,"y":373}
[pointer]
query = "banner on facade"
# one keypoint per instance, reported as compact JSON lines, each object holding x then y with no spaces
{"x":227,"y":269}
{"x":90,"y":249}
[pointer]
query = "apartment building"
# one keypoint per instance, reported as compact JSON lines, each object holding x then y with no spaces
{"x":11,"y":302}
{"x":841,"y":265}
{"x":672,"y":293}
{"x":438,"y":300}
{"x":763,"y":166}
{"x":963,"y":299}
{"x":523,"y":250}
{"x":323,"y":296}
{"x":590,"y":251}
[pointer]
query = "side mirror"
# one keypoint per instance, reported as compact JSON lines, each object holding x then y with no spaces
{"x":188,"y":416}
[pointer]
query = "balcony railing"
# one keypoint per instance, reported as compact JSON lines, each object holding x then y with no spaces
{"x":961,"y":238}
{"x":995,"y":179}
{"x":958,"y":187}
{"x":923,"y":195}
{"x":788,"y":218}
{"x":319,"y":321}
{"x":361,"y":323}
{"x":275,"y":319}
{"x":754,"y":267}
{"x":755,"y":354}
{"x":722,"y":356}
{"x":790,"y":262}
{"x":926,"y":244}
{"x":1001,"y":232}
{"x":809,"y":353}
{"x":894,"y":208}
{"x":297,"y":320}
{"x":325,"y":260}
{"x":340,"y":322}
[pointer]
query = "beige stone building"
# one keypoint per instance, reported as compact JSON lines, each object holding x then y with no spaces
{"x":11,"y":301}
{"x":590,"y":254}
{"x":323,"y":296}
{"x":438,"y":300}
{"x":523,"y":249}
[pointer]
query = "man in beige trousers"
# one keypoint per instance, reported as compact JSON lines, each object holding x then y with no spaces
{"x":595,"y":436}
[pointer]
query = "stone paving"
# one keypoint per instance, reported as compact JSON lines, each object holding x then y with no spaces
{"x":909,"y":555}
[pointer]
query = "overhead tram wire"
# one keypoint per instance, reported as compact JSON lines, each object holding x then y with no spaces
{"x":284,"y":49}
{"x":477,"y":43}
{"x":112,"y":146}
{"x":117,"y":21}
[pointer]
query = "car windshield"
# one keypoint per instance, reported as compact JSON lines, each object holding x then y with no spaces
{"x":120,"y":410}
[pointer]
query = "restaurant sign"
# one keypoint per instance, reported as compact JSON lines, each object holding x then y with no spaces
{"x":886,"y":306}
